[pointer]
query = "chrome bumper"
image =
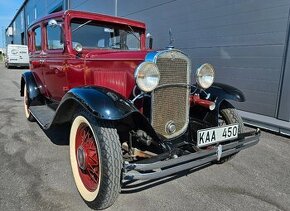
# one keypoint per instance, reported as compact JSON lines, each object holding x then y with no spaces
{"x":156,"y":170}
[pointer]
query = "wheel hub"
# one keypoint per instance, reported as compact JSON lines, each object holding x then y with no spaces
{"x":81,"y":158}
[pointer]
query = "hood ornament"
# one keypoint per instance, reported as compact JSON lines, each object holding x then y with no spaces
{"x":171,"y":40}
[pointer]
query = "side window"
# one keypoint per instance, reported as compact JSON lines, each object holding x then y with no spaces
{"x":37,"y":38}
{"x":54,"y":38}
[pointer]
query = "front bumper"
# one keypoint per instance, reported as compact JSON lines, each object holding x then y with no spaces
{"x":159,"y":169}
{"x":13,"y":64}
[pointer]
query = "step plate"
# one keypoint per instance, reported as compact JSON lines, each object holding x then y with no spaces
{"x":43,"y":114}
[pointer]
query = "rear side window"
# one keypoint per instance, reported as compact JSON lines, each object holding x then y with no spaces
{"x":54,"y":38}
{"x":37,"y":38}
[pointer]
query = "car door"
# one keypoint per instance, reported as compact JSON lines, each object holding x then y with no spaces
{"x":55,"y":67}
{"x":36,"y":56}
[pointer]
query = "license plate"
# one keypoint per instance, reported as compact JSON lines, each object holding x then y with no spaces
{"x":210,"y":136}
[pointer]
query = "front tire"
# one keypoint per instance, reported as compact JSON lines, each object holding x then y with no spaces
{"x":96,"y":160}
{"x":230,"y":116}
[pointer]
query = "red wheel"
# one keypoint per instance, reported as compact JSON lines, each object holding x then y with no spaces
{"x":96,"y":160}
{"x":87,"y":156}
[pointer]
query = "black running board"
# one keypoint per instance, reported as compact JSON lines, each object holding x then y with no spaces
{"x":43,"y":115}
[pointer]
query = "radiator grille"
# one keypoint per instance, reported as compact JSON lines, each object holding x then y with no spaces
{"x":170,"y":102}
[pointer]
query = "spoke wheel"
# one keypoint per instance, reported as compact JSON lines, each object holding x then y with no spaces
{"x":87,"y":156}
{"x":96,"y":160}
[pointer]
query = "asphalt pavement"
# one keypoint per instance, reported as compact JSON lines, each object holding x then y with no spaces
{"x":35,"y":173}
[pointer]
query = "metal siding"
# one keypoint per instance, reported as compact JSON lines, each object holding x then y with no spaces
{"x":8,"y":39}
{"x":43,"y":8}
{"x":284,"y":107}
{"x":98,"y":6}
{"x":52,"y":5}
{"x":18,"y":30}
{"x":244,"y":40}
{"x":29,"y":10}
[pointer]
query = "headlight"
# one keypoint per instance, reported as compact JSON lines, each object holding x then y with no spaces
{"x":205,"y":76}
{"x":147,"y":76}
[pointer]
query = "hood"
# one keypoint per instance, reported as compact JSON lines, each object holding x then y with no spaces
{"x":112,"y":69}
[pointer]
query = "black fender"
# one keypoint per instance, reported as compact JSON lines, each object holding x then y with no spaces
{"x":101,"y":102}
{"x":104,"y":104}
{"x":226,"y":92}
{"x":220,"y":94}
{"x":33,"y":93}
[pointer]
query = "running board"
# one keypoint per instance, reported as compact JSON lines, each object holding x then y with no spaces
{"x":43,"y":115}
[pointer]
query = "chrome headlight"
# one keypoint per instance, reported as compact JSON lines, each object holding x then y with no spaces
{"x":205,"y":76}
{"x":147,"y":76}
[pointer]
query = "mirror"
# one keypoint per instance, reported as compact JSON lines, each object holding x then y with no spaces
{"x":150,"y":39}
{"x":108,"y":30}
{"x":53,"y":23}
{"x":77,"y":47}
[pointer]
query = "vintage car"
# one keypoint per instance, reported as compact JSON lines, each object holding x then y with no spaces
{"x":131,"y":113}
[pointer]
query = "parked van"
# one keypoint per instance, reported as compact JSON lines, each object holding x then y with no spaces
{"x":16,"y":56}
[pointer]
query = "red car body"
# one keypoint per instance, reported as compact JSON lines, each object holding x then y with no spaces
{"x":57,"y":71}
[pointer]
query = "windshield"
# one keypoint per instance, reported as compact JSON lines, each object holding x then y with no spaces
{"x":91,"y":34}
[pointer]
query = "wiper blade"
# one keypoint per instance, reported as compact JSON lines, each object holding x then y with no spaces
{"x":133,"y":33}
{"x":80,"y":26}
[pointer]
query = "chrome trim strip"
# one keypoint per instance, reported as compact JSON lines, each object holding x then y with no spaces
{"x":152,"y":56}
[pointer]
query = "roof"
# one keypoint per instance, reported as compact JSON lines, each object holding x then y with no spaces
{"x":93,"y":16}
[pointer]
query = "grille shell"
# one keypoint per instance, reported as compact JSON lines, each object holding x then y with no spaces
{"x":170,"y":100}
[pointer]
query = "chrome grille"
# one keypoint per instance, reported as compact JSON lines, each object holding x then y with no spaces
{"x":170,"y":101}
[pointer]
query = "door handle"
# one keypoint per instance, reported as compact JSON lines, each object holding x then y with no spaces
{"x":43,"y":53}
